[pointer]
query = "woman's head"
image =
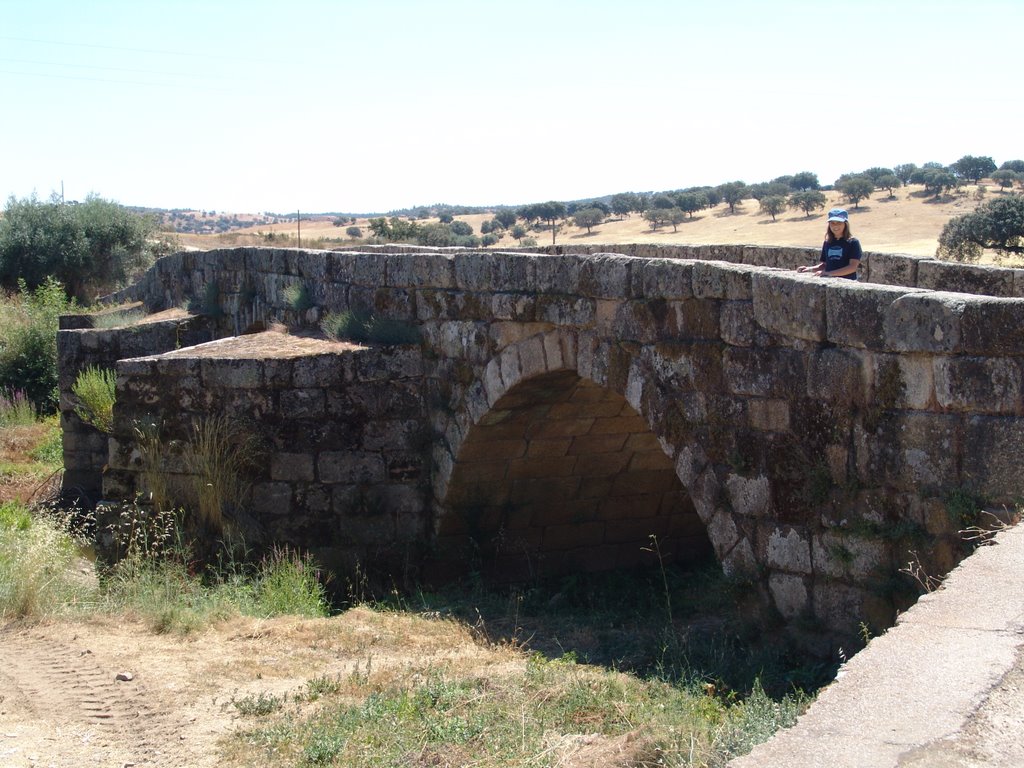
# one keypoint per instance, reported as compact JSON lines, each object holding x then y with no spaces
{"x":838,"y":225}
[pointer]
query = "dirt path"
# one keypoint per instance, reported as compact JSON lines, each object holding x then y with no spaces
{"x":62,"y":706}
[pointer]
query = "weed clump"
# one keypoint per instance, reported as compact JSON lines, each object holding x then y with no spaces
{"x":361,"y":326}
{"x":95,"y":389}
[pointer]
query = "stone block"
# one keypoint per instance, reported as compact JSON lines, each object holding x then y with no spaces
{"x":993,"y":326}
{"x":789,"y":550}
{"x":369,"y":269}
{"x":978,"y":384}
{"x":350,"y":467}
{"x":790,"y":595}
{"x":559,"y":274}
{"x":272,"y":499}
{"x":925,"y":322}
{"x":303,"y":403}
{"x":749,"y":496}
{"x":925,"y":450}
{"x":839,"y":606}
{"x":721,"y":280}
{"x":774,"y":372}
{"x":574,"y":536}
{"x":722,"y":531}
{"x":915,"y":387}
{"x":891,"y":268}
{"x":964,"y":278}
{"x":318,"y":371}
{"x":232,"y":374}
{"x":991,"y":468}
{"x":566,"y":310}
{"x":532,"y":361}
{"x":737,"y":325}
{"x":606,"y":276}
{"x":855,"y":312}
{"x":518,"y":307}
{"x":840,"y":555}
{"x":292,"y":467}
{"x":837,"y":376}
{"x":391,"y":435}
{"x":769,"y":415}
{"x":588,"y":443}
{"x":790,"y":304}
{"x":433,"y":270}
{"x":662,"y":279}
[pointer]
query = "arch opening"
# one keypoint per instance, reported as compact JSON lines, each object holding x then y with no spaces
{"x":564,"y":476}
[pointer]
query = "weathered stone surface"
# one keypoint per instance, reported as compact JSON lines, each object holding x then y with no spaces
{"x":791,"y":304}
{"x":292,"y":467}
{"x":713,"y":280}
{"x":855,"y":312}
{"x":666,"y":279}
{"x":789,"y":550}
{"x":749,"y":496}
{"x":992,"y":465}
{"x":836,"y":376}
{"x":925,"y":322}
{"x":789,"y":592}
{"x":764,"y":372}
{"x":978,"y":384}
{"x":964,"y":278}
{"x":350,"y":467}
{"x":993,"y":326}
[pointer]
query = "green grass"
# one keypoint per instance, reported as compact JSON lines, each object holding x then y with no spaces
{"x":36,"y":573}
{"x":94,"y":387}
{"x":362,"y":326}
{"x":533,"y":717}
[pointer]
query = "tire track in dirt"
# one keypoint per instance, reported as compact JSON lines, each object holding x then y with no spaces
{"x":91,"y":717}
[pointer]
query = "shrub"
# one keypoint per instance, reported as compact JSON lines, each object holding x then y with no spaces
{"x":361,"y":326}
{"x":28,"y":342}
{"x":288,"y":583}
{"x":94,"y":389}
{"x":298,"y":297}
{"x":15,"y":409}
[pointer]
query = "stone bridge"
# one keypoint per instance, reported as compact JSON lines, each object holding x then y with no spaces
{"x":573,"y":411}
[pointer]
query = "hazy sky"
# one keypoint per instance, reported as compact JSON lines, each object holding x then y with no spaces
{"x":360,"y":106}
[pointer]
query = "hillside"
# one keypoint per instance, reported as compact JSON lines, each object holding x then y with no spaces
{"x":910,"y":222}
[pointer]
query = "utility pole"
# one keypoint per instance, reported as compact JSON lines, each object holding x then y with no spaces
{"x":298,"y":222}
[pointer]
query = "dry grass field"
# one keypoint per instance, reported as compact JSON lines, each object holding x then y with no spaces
{"x":910,"y":222}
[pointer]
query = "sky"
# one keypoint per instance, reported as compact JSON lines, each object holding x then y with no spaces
{"x":362,"y":106}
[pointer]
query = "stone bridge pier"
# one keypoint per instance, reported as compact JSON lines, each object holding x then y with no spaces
{"x":568,"y":412}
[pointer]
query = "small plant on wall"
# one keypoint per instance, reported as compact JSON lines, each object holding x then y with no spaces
{"x":298,"y":297}
{"x":209,"y":303}
{"x":362,"y":326}
{"x":220,"y":454}
{"x":94,"y":389}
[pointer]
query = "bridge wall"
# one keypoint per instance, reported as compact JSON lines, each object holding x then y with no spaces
{"x":818,"y":429}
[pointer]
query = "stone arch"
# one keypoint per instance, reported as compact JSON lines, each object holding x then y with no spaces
{"x":561,"y":474}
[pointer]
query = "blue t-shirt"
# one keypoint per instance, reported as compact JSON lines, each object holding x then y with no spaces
{"x":838,"y":253}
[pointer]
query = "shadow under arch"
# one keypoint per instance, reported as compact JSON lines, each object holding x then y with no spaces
{"x":562,"y":475}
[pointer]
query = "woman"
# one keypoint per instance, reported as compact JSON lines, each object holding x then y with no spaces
{"x":840,"y":253}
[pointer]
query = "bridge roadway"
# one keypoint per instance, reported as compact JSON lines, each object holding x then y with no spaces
{"x":942,"y":688}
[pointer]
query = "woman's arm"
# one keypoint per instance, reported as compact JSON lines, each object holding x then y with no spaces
{"x":817,"y":269}
{"x":849,"y":269}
